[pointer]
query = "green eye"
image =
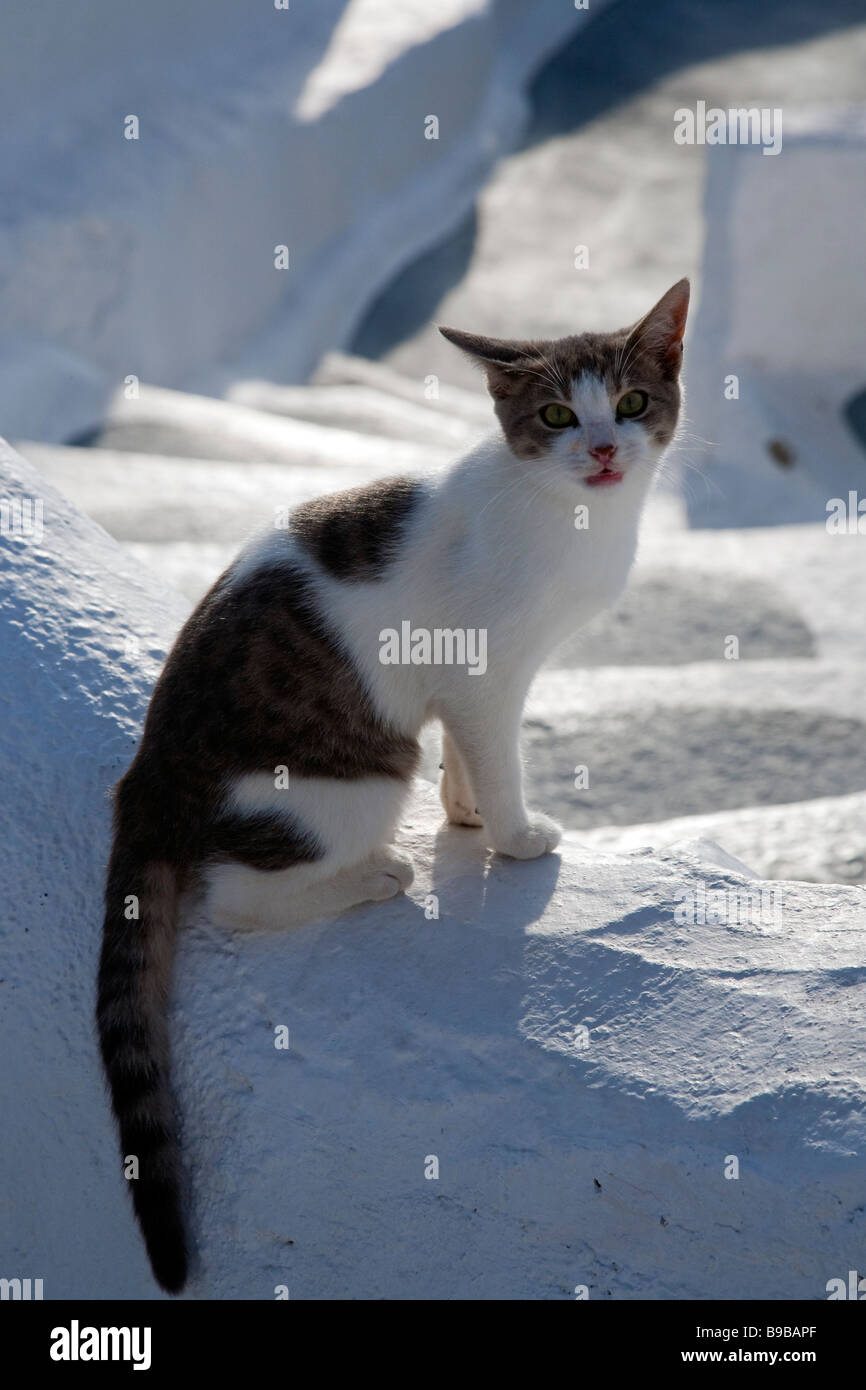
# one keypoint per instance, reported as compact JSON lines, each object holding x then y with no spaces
{"x":633,"y":403}
{"x":558,"y":416}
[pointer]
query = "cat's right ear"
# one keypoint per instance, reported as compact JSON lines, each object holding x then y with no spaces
{"x":502,"y":361}
{"x":661,"y":330}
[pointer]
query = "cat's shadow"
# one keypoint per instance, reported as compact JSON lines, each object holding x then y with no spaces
{"x":487,"y":889}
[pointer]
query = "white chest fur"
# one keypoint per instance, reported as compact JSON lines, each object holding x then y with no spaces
{"x":487,"y":553}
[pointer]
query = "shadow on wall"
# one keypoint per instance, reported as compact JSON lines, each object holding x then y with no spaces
{"x":413,"y":295}
{"x":623,"y":50}
{"x":629,"y":46}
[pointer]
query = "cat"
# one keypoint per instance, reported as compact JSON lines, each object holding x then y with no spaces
{"x":279,"y":744}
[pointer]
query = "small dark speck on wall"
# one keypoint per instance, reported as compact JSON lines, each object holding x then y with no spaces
{"x":781,"y":452}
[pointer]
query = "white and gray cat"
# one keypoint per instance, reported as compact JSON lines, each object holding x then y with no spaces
{"x":279,"y":747}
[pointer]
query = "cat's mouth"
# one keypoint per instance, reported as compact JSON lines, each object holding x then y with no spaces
{"x":605,"y":477}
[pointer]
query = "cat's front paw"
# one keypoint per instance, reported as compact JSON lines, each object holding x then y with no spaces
{"x":539,"y":836}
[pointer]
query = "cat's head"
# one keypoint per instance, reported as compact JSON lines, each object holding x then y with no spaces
{"x":598,"y":404}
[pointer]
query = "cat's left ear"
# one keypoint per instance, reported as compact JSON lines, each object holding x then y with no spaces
{"x":661,"y":330}
{"x":503,"y":361}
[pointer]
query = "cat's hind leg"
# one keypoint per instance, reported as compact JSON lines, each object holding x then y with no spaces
{"x":455,"y":789}
{"x":382,"y":875}
{"x":247,"y":898}
{"x":282,"y":856}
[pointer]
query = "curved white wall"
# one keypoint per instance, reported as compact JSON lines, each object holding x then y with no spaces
{"x":155,"y":257}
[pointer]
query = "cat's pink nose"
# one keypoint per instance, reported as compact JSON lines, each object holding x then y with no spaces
{"x":603,"y":452}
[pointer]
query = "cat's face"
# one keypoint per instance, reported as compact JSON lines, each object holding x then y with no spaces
{"x":595,"y":406}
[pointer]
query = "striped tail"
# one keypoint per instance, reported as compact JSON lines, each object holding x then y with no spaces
{"x":131,"y":1014}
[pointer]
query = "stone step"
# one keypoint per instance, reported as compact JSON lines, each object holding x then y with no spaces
{"x":176,"y":423}
{"x":339,"y":368}
{"x":710,"y":736}
{"x":161,"y":500}
{"x":362,"y":409}
{"x":820,"y":841}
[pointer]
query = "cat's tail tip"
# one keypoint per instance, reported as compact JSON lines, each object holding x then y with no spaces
{"x":165,"y":1240}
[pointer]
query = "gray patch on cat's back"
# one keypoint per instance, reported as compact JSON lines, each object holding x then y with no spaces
{"x":354,"y":535}
{"x":256,"y":681}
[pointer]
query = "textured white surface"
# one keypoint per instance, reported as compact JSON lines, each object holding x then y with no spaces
{"x":822,"y":841}
{"x":83,"y":632}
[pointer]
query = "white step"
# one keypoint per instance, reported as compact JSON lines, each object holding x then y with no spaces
{"x":338,"y":368}
{"x":159,"y":421}
{"x":362,"y":409}
{"x":821,"y":841}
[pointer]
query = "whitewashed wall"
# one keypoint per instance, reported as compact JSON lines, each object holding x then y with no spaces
{"x":258,"y":127}
{"x":783,"y":309}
